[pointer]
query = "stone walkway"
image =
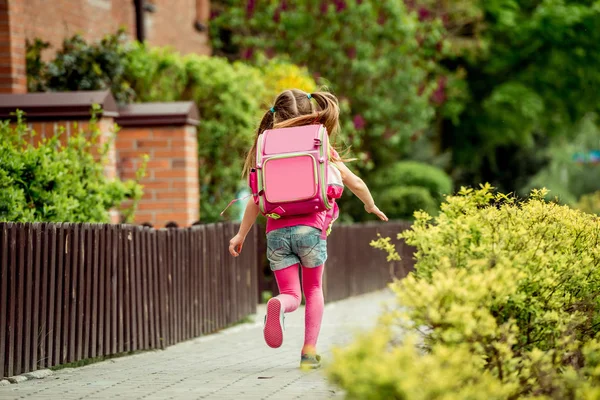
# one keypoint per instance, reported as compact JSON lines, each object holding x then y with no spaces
{"x":233,"y":364}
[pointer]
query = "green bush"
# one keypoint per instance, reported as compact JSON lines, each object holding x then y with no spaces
{"x":155,"y":74}
{"x":565,"y":177}
{"x":400,"y":202}
{"x":280,"y":75}
{"x":589,"y":203}
{"x":378,"y":55}
{"x":229,"y":97}
{"x":503,"y":304}
{"x":414,"y":173}
{"x":81,"y":66}
{"x":54,"y":182}
{"x":409,"y":186}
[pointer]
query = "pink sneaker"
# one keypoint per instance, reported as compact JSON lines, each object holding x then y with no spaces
{"x":273,"y":330}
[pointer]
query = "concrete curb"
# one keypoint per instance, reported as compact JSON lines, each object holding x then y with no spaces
{"x":39,"y":374}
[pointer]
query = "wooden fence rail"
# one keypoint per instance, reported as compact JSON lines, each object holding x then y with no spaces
{"x":70,"y":292}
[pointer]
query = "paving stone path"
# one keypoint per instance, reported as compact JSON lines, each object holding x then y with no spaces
{"x":233,"y":364}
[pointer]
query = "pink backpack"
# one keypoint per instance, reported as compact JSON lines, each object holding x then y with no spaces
{"x":290,"y":176}
{"x":293,"y":175}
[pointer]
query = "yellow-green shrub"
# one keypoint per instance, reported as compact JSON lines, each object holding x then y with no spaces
{"x":510,"y":289}
{"x":280,"y":75}
{"x":589,"y":203}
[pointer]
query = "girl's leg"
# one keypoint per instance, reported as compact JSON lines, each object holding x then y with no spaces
{"x":312,"y":284}
{"x":288,"y":282}
{"x":288,"y":300}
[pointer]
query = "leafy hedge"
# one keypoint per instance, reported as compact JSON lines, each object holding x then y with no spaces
{"x":401,"y":202}
{"x":231,"y":97}
{"x":408,"y":186}
{"x":504,"y":304}
{"x":58,"y":180}
{"x":79,"y":66}
{"x":377,"y":55}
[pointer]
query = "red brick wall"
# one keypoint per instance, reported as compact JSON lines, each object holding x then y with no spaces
{"x":56,"y":20}
{"x":172,"y":24}
{"x":171,"y":191}
{"x":12,"y":47}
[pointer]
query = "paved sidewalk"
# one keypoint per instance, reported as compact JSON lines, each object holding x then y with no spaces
{"x":233,"y":364}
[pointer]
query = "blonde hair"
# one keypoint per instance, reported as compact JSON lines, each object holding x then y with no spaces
{"x":294,"y":107}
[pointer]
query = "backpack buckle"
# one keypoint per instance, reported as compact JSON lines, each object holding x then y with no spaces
{"x":318,"y":142}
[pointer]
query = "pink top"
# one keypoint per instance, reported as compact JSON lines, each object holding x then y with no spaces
{"x":316,"y":220}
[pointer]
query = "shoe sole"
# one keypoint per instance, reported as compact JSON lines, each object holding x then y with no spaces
{"x":309,"y":366}
{"x":273,"y":330}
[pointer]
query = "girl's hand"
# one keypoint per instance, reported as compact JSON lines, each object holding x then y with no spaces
{"x":376,"y":211}
{"x":236,"y":244}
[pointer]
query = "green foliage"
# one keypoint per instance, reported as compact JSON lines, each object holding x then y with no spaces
{"x":409,"y":186}
{"x":155,"y":74}
{"x":56,"y":182}
{"x":532,"y":67}
{"x":566,"y":178}
{"x":280,"y":75}
{"x":369,"y":369}
{"x":375,"y":54}
{"x":378,"y":57}
{"x":589,"y":203}
{"x":36,"y":67}
{"x":503,"y":304}
{"x":81,"y":66}
{"x":400,"y":202}
{"x":229,"y":98}
{"x":413,"y":173}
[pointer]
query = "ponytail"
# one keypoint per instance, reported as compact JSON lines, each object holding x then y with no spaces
{"x":266,"y":123}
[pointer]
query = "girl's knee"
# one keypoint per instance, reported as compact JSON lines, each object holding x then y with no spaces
{"x":292,"y":299}
{"x":296,"y":303}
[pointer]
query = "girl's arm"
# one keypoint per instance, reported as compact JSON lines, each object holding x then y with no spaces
{"x":237,"y":242}
{"x":360,"y":189}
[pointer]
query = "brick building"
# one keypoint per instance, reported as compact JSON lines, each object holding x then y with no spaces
{"x":177,"y":23}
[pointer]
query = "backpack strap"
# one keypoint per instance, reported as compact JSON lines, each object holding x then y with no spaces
{"x":330,"y":218}
{"x":233,"y":201}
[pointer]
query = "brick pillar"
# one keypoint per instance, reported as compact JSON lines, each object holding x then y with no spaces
{"x":166,"y":132}
{"x":13,"y":77}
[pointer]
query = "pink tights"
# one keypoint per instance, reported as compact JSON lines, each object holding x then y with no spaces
{"x":288,"y":282}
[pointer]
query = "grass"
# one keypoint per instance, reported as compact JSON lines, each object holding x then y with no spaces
{"x":89,"y":361}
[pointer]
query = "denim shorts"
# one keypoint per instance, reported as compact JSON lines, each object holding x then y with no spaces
{"x":296,"y":245}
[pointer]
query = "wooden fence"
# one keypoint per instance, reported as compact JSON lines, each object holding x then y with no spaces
{"x":353,"y":267}
{"x":70,"y":292}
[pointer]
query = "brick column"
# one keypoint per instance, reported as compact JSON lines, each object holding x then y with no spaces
{"x":166,"y":132}
{"x":13,"y":76}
